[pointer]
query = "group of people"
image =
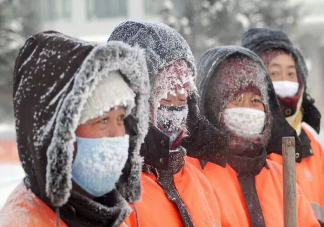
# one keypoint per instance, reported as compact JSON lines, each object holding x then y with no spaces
{"x":134,"y":133}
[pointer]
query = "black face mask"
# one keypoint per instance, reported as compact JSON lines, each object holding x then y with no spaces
{"x":171,"y":120}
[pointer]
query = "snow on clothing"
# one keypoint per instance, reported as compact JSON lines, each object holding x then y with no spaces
{"x":171,"y":186}
{"x":112,"y":91}
{"x":53,"y":77}
{"x":310,"y":162}
{"x":253,"y":192}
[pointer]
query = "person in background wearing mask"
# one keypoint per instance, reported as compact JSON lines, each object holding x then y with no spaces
{"x":79,"y":153}
{"x":175,"y":193}
{"x":236,"y":97}
{"x":288,"y":73}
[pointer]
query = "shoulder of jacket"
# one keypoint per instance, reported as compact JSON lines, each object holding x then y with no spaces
{"x":313,"y":135}
{"x":24,"y":209}
{"x":16,"y":216}
{"x":310,"y":131}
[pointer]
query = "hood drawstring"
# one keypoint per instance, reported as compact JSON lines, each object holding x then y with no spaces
{"x":136,"y":214}
{"x":57,"y":211}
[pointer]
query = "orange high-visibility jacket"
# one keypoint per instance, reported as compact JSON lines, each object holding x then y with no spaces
{"x":310,"y":173}
{"x":24,"y":208}
{"x":155,"y":209}
{"x":269,"y":186}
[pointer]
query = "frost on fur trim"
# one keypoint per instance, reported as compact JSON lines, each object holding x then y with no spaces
{"x":58,"y":186}
{"x":54,"y":76}
{"x":103,"y":59}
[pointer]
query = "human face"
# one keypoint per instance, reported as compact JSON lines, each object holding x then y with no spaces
{"x":111,"y":124}
{"x":246,"y":100}
{"x":174,"y":100}
{"x":283,"y":68}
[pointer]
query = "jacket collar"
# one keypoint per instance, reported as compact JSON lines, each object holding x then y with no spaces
{"x":242,"y":164}
{"x":248,"y":165}
{"x":306,"y":147}
{"x":109,"y":210}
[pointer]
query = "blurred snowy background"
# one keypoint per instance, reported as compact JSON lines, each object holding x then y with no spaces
{"x":204,"y":24}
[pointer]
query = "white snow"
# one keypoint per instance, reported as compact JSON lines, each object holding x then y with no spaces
{"x":7,"y":131}
{"x":10,"y":176}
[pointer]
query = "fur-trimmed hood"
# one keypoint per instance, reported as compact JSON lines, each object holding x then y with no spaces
{"x":54,"y":75}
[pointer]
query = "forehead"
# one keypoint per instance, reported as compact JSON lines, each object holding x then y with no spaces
{"x":114,"y":110}
{"x":283,"y":60}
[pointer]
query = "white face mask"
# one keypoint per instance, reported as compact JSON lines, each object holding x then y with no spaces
{"x":171,"y":120}
{"x":286,"y":89}
{"x":99,"y":162}
{"x":245,"y":121}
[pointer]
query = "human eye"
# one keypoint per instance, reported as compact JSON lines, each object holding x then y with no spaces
{"x":257,"y":101}
{"x":103,"y":120}
{"x":292,"y":74}
{"x":274,"y":73}
{"x":237,"y":99}
{"x":166,"y":100}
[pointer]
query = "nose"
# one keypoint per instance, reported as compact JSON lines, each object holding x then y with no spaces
{"x":115,"y":129}
{"x":176,"y":101}
{"x":246,"y":103}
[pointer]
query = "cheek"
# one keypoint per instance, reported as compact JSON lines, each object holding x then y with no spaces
{"x":122,"y":130}
{"x":230,"y":105}
{"x":90,"y":131}
{"x":295,"y":79}
{"x":260,"y":108}
{"x":162,"y":102}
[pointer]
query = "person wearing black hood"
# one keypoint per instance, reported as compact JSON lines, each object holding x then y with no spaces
{"x":288,"y":72}
{"x":175,"y":193}
{"x":81,"y":161}
{"x":237,"y":97}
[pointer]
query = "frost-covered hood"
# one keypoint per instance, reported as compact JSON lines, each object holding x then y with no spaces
{"x":162,"y":44}
{"x":260,"y":40}
{"x":207,"y":66}
{"x":53,"y":77}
